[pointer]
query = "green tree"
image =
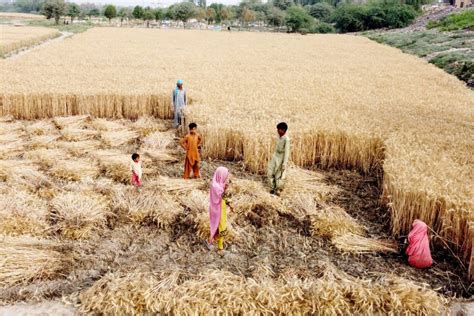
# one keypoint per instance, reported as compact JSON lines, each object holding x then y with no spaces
{"x":184,"y":11}
{"x":170,"y":13}
{"x":27,"y":6}
{"x":321,"y":11}
{"x":297,"y":19}
{"x":200,"y":14}
{"x":73,"y":11}
{"x":159,"y":14}
{"x":54,"y":9}
{"x":138,"y":12}
{"x":283,"y":4}
{"x":276,"y":17}
{"x":124,"y":13}
{"x":110,"y":12}
{"x":210,"y":15}
{"x":248,"y":15}
{"x":148,"y":15}
{"x":94,"y":12}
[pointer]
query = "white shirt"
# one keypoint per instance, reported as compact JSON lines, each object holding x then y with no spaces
{"x":137,"y":168}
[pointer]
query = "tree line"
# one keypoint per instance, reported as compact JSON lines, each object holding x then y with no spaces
{"x":304,"y":16}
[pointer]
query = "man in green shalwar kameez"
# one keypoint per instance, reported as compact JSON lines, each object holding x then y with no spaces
{"x":278,"y":164}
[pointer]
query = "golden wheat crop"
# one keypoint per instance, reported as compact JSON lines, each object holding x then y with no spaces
{"x":14,"y":38}
{"x":21,"y":16}
{"x":349,"y":102}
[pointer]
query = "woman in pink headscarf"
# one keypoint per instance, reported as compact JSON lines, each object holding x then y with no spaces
{"x":418,"y":251}
{"x":218,"y":208}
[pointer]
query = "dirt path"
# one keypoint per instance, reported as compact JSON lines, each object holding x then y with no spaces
{"x":26,"y":50}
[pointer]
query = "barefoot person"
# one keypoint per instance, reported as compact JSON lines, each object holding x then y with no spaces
{"x":191,"y":143}
{"x":218,"y":204}
{"x":277,"y":167}
{"x":179,"y":103}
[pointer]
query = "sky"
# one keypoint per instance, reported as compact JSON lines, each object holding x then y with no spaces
{"x":153,"y":3}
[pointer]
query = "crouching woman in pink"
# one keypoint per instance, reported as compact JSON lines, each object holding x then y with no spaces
{"x":418,"y":251}
{"x":218,"y":203}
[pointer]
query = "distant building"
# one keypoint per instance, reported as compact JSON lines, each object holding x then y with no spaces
{"x":461,"y":3}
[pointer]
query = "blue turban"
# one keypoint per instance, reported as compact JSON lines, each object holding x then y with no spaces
{"x":180,"y":81}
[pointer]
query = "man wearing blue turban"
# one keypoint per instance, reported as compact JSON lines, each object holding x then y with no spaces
{"x":179,"y":103}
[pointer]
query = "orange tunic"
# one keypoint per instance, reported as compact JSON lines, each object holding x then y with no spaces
{"x":191,"y":143}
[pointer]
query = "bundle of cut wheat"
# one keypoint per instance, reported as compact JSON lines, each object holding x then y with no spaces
{"x":62,"y":122}
{"x":333,"y":221}
{"x":21,"y":213}
{"x":76,"y":215}
{"x":78,"y":149}
{"x":23,"y":173}
{"x":354,"y":243}
{"x":41,"y":128}
{"x":46,"y":158}
{"x":26,"y":259}
{"x":72,"y":134}
{"x":146,"y":125}
{"x":155,"y":146}
{"x":116,"y":138}
{"x":299,"y":181}
{"x":73,"y":170}
{"x":106,"y":125}
{"x":175,"y":185}
{"x":114,"y":165}
{"x":11,"y":145}
{"x":146,"y":207}
{"x":43,"y":141}
{"x":222,"y":292}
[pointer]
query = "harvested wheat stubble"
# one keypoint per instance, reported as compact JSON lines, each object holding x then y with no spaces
{"x":147,"y":207}
{"x":358,"y":244}
{"x":78,"y":121}
{"x":74,"y":170}
{"x":216,"y":292}
{"x":22,"y":213}
{"x":26,"y":259}
{"x":77,"y":215}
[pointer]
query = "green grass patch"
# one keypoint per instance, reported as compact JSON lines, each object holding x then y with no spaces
{"x":455,"y":21}
{"x":72,"y":28}
{"x":457,"y":63}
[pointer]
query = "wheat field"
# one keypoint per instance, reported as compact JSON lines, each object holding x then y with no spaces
{"x":349,"y":102}
{"x":13,"y":38}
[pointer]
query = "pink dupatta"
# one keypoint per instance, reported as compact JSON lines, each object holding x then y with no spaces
{"x":418,"y":251}
{"x":215,"y":199}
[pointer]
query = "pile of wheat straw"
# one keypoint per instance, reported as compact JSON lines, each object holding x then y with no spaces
{"x":146,"y":207}
{"x":73,"y":170}
{"x":116,"y":138}
{"x":155,"y":146}
{"x":77,"y":216}
{"x":175,"y":185}
{"x":216,"y":292}
{"x":26,"y":259}
{"x":354,"y":243}
{"x":78,"y":149}
{"x":114,"y":165}
{"x":22,"y":213}
{"x":147,"y":125}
